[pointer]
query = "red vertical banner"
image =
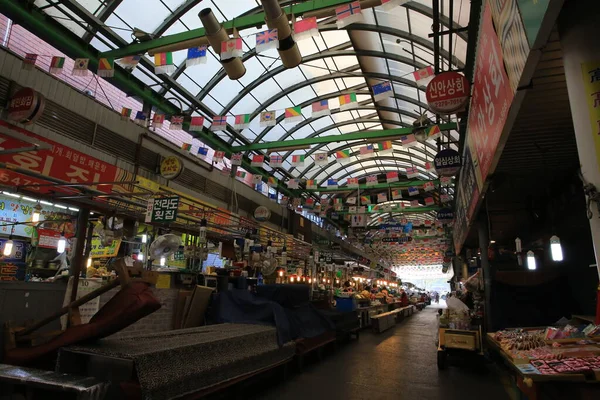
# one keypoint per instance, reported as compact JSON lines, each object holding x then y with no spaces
{"x":59,"y":161}
{"x":490,"y":100}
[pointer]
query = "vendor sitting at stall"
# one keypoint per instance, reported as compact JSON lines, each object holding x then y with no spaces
{"x":347,"y":287}
{"x":403,"y":299}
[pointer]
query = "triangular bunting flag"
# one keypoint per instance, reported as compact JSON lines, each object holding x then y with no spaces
{"x":267,"y":40}
{"x":106,"y":67}
{"x":158,"y":120}
{"x":236,"y":159}
{"x":231,"y":48}
{"x":219,"y":123}
{"x":56,"y":64}
{"x":80,"y":68}
{"x":293,"y":114}
{"x":305,"y":28}
{"x":298,"y":161}
{"x":203,"y":151}
{"x":391,"y":176}
{"x":385,"y":147}
{"x":196,"y":56}
{"x":163,"y":63}
{"x":130,"y":62}
{"x":125,"y":113}
{"x":382,"y":198}
{"x":268,"y":118}
{"x":352,"y":183}
{"x":176,"y":123}
{"x":348,"y":14}
{"x":186,"y":146}
{"x":311,"y":184}
{"x":321,"y":159}
{"x":196,"y":124}
{"x":218,"y":157}
{"x":382,"y":91}
{"x":348,"y":101}
{"x":320,"y":108}
{"x":29,"y":62}
{"x":276,"y":161}
{"x":257,"y":160}
{"x":242,"y":121}
{"x":332,"y":183}
{"x":424,"y":76}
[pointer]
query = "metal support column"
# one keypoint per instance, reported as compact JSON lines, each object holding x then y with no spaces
{"x":78,"y":260}
{"x":488,"y":278}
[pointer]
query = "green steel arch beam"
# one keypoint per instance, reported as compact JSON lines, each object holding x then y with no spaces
{"x":318,"y":56}
{"x":356,"y":153}
{"x":365,"y":173}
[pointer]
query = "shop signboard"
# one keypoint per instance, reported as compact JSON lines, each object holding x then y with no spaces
{"x":14,"y":210}
{"x":591,"y":82}
{"x":490,"y":101}
{"x":262,"y":214}
{"x":162,"y":209}
{"x":98,"y":250}
{"x":447,"y":162}
{"x":448,"y":93}
{"x":445,"y":215}
{"x":512,"y":37}
{"x":532,"y":14}
{"x":18,"y":254}
{"x":466,"y":200}
{"x":60,"y":162}
{"x":25,"y":106}
{"x":171,"y":167}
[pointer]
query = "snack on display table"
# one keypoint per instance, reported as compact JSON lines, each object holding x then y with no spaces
{"x":549,"y":354}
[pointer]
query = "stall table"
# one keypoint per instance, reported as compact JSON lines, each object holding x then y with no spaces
{"x":533,"y":384}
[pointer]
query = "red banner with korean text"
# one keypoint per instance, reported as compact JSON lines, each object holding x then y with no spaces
{"x":490,"y":101}
{"x":60,"y":162}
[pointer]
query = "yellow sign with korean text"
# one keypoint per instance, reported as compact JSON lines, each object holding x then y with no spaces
{"x":591,"y":79}
{"x":171,"y":167}
{"x":100,"y":251}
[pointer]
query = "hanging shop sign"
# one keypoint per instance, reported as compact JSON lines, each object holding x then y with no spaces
{"x":491,"y":99}
{"x":162,"y":209}
{"x":13,"y":210}
{"x":50,"y":231}
{"x":262,"y":214}
{"x":448,"y":93}
{"x":25,"y":106}
{"x":466,"y":200}
{"x":513,"y":38}
{"x":445,"y":215}
{"x":591,"y":82}
{"x":447,"y":162}
{"x":98,"y":250}
{"x":59,"y":162}
{"x":171,"y":167}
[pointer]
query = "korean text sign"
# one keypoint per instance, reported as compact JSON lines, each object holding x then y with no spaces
{"x":162,"y":209}
{"x":491,"y":99}
{"x":591,"y":79}
{"x":60,"y":162}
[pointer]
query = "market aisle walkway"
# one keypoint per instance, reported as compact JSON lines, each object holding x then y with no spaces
{"x":397,"y":364}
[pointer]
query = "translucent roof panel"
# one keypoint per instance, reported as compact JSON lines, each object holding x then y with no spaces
{"x":389,"y":45}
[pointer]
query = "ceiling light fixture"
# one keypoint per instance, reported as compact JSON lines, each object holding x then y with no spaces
{"x":556,"y":248}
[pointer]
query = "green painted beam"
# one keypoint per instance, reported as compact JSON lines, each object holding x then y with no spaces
{"x":394,"y":185}
{"x":249,"y":21}
{"x":45,"y":27}
{"x":358,"y":135}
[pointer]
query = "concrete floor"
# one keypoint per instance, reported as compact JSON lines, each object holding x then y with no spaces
{"x":398,"y":364}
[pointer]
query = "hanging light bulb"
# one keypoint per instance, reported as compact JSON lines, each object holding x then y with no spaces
{"x":140,"y":256}
{"x":531,"y":265}
{"x":518,"y":245}
{"x":89,"y":262}
{"x":35,"y":217}
{"x":556,"y":248}
{"x":163,"y":261}
{"x":8,"y":247}
{"x":145,"y":237}
{"x":202,"y":235}
{"x":62,"y":244}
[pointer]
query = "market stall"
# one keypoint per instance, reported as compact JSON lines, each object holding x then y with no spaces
{"x":543,"y":358}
